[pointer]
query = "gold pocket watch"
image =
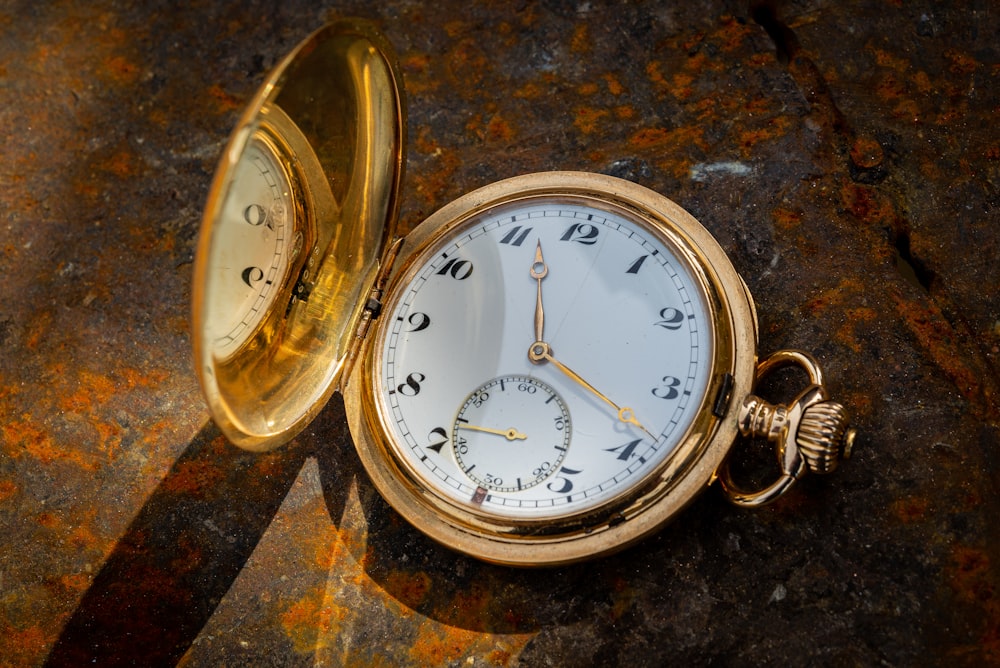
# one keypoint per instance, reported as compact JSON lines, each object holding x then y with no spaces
{"x":547,"y":369}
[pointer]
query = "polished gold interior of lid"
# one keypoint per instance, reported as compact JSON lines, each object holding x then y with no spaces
{"x":298,"y":214}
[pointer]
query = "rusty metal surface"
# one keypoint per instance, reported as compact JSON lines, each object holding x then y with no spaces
{"x":846,"y":156}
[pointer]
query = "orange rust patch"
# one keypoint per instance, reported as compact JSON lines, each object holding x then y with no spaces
{"x":847,"y":334}
{"x":589,"y":88}
{"x":47,"y":520}
{"x":456,"y":28}
{"x":681,"y":87}
{"x":310,"y":617}
{"x":7,"y":490}
{"x":786,"y":219}
{"x":142,"y":378}
{"x":419,"y":73}
{"x":614,"y":86}
{"x":224,"y":101}
{"x":93,"y":390}
{"x":974,"y":581}
{"x":624,"y":112}
{"x":23,"y":647}
{"x":529,"y":91}
{"x":622,"y":598}
{"x":498,"y":129}
{"x":109,"y":435}
{"x":911,"y":509}
{"x":775,"y":127}
{"x":440,"y":645}
{"x":415,"y":62}
{"x":121,"y":69}
{"x":468,"y":65}
{"x":936,"y":336}
{"x":655,"y":75}
{"x":846,"y":291}
{"x":971,"y":573}
{"x":673,"y":144}
{"x":580,"y":43}
{"x":889,"y":88}
{"x":410,"y":588}
{"x":500,"y":657}
{"x":82,"y":537}
{"x":886,"y":59}
{"x":662,"y":138}
{"x":38,"y":330}
{"x":961,"y":63}
{"x":75,"y":582}
{"x":587,"y":119}
{"x":732,"y":33}
{"x":870,"y":206}
{"x":431,"y":183}
{"x":22,"y":437}
{"x":922,"y":82}
{"x":866,"y":152}
{"x":194,"y":478}
{"x":120,"y":164}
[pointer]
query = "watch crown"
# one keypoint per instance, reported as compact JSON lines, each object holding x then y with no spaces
{"x":823,"y":436}
{"x":811,"y":433}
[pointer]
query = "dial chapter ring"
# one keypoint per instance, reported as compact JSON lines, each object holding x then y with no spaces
{"x":650,"y":502}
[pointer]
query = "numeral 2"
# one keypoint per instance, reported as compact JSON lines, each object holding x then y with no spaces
{"x":671,"y":318}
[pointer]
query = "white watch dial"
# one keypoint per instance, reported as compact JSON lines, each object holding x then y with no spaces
{"x":616,"y":327}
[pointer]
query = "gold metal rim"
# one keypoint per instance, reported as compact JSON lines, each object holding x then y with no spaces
{"x":667,"y":490}
{"x":342,"y":86}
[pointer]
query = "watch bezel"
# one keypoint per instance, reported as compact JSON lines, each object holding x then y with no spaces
{"x":660,"y":494}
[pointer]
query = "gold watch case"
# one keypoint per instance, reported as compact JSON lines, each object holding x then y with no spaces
{"x":663,"y":492}
{"x":333,"y":115}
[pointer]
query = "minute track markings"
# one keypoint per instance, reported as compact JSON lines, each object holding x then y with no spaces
{"x":549,"y":223}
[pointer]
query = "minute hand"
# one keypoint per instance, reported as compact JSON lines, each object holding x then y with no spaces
{"x":540,"y":351}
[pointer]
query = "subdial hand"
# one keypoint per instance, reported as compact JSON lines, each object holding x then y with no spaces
{"x":540,"y":352}
{"x":539,"y":270}
{"x":510,"y":434}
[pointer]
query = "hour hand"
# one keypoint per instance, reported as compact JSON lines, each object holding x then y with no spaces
{"x":538,"y":271}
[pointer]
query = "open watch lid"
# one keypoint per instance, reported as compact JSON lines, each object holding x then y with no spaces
{"x":299,"y":213}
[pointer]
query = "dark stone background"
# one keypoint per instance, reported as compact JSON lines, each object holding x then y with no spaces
{"x":845,"y":155}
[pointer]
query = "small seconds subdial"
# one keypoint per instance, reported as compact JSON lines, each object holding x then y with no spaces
{"x":511,"y":433}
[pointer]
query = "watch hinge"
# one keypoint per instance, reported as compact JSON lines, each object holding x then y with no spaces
{"x":372,"y":308}
{"x":300,"y":291}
